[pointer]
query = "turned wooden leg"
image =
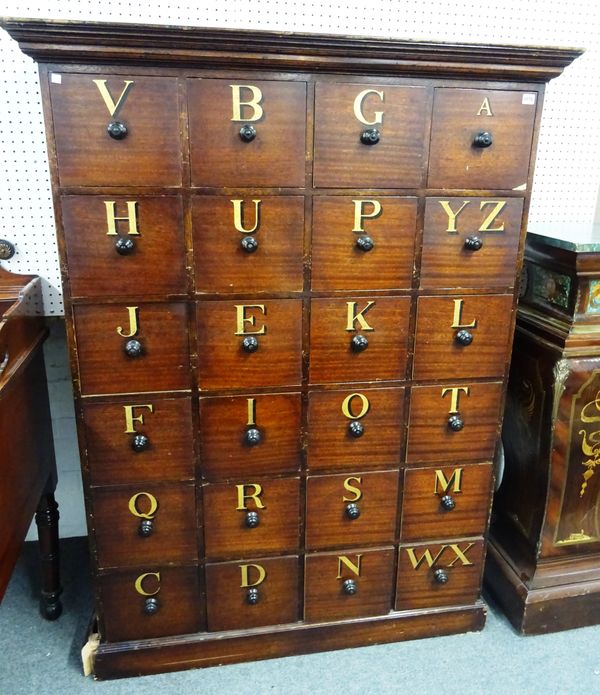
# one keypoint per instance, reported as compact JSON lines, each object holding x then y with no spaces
{"x":46,"y":518}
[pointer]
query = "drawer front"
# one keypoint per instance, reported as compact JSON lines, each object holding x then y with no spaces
{"x":150,"y":602}
{"x":470,"y":242}
{"x":224,"y":149}
{"x":363,"y":243}
{"x":454,"y":422}
{"x":370,"y":136}
{"x":449,"y":500}
{"x":358,"y":339}
{"x":460,"y":154}
{"x":248,"y":243}
{"x":462,"y":337}
{"x":245,"y":518}
{"x":356,"y":508}
{"x":126,"y":349}
{"x":361,"y":428}
{"x":120,"y":245}
{"x":249,"y":343}
{"x":134,"y":440}
{"x":144,"y":112}
{"x":439,"y":574}
{"x":246,"y":594}
{"x":145,"y":524}
{"x":258,"y":433}
{"x":348,"y":584}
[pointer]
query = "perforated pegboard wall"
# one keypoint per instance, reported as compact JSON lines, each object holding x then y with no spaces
{"x":568,"y":166}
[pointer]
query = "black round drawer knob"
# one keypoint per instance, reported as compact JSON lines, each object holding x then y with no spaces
{"x":473,"y":243}
{"x":7,"y":250}
{"x":151,"y":606}
{"x":250,"y":344}
{"x":117,"y":130}
{"x":252,"y":519}
{"x":349,"y":587}
{"x":249,"y":244}
{"x":140,"y":443}
{"x":483,"y":139}
{"x":247,"y":133}
{"x":352,"y":511}
{"x":365,"y":243}
{"x":133,"y":348}
{"x":447,"y":503}
{"x":124,"y":246}
{"x":252,"y":596}
{"x":464,"y":337}
{"x":456,"y":423}
{"x":253,"y":436}
{"x":440,"y":575}
{"x":359,"y":343}
{"x":356,"y":429}
{"x":371,"y":136}
{"x":146,"y":528}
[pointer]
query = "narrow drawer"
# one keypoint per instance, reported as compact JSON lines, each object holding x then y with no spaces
{"x":439,"y":574}
{"x":258,"y":433}
{"x":246,"y":518}
{"x":348,"y":584}
{"x":355,"y":508}
{"x":250,"y":593}
{"x":449,"y":500}
{"x":145,"y":524}
{"x":151,"y":601}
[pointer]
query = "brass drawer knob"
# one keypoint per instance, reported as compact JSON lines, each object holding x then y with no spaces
{"x":441,"y":576}
{"x":352,"y":511}
{"x":456,"y":423}
{"x":124,"y":246}
{"x":365,"y":243}
{"x":146,"y":528}
{"x":7,"y":250}
{"x":252,"y":596}
{"x":252,"y":436}
{"x":140,"y":443}
{"x":359,"y":343}
{"x":117,"y":130}
{"x":356,"y":429}
{"x":464,"y":337}
{"x":371,"y":136}
{"x":249,"y":244}
{"x":250,"y":344}
{"x":133,"y":348}
{"x":151,"y":606}
{"x":483,"y":139}
{"x":247,"y":133}
{"x":447,"y":503}
{"x":473,"y":243}
{"x":349,"y":587}
{"x":252,"y":519}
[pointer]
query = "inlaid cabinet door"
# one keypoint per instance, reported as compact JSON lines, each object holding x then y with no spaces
{"x":124,"y":245}
{"x":481,"y":138}
{"x":247,"y":132}
{"x":462,"y":336}
{"x":370,"y":135}
{"x":116,"y":130}
{"x":363,"y":242}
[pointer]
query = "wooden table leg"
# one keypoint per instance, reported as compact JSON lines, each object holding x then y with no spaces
{"x":46,"y":518}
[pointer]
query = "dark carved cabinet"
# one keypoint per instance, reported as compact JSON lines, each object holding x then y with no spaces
{"x":289,"y":264}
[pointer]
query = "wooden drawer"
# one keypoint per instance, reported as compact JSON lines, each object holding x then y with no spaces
{"x":470,"y":242}
{"x":358,"y":339}
{"x":133,"y":440}
{"x":155,"y":336}
{"x":451,"y":500}
{"x":363,"y":243}
{"x":258,"y":433}
{"x":248,"y":243}
{"x":356,"y":508}
{"x":348,"y":584}
{"x":462,"y":337}
{"x":219,"y":109}
{"x":243,"y":519}
{"x":152,"y":601}
{"x":144,"y":524}
{"x":83,"y":106}
{"x":439,"y":574}
{"x":361,"y":428}
{"x":246,"y":594}
{"x":229,"y":331}
{"x":454,"y":422}
{"x":120,"y":245}
{"x":397,"y":116}
{"x":459,"y":116}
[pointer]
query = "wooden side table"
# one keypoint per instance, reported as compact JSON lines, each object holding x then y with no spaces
{"x":27,"y":465}
{"x":544,"y":559}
